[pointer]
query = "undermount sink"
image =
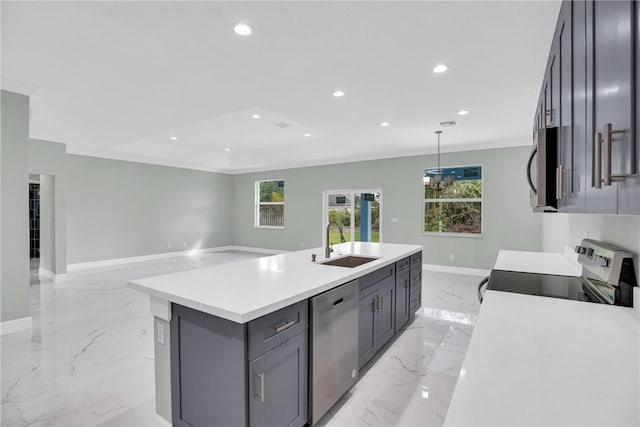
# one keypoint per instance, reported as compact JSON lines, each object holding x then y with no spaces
{"x":349,"y":261}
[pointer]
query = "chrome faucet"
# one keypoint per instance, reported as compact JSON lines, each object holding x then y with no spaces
{"x":329,"y":249}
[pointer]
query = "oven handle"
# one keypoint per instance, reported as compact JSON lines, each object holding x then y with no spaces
{"x":480,"y":285}
{"x":529,"y":163}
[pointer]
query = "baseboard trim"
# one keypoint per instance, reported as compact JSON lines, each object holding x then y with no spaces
{"x":16,"y":325}
{"x":46,"y":273}
{"x":257,"y":250}
{"x":142,"y":258}
{"x":57,"y":278}
{"x":456,"y":270}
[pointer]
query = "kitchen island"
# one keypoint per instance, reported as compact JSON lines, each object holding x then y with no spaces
{"x":232,"y":323}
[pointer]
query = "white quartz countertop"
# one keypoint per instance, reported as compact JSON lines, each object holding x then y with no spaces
{"x":544,"y":361}
{"x":549,"y":362}
{"x":538,"y":262}
{"x":246,"y":290}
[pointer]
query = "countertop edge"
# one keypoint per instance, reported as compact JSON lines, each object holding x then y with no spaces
{"x":269,"y":308}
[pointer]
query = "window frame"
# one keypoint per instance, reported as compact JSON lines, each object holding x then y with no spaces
{"x":258,"y":203}
{"x":475,"y":199}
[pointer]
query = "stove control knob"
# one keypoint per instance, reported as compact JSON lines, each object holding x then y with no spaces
{"x":578,"y":249}
{"x":605,"y":262}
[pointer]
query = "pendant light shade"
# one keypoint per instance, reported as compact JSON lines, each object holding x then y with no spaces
{"x":433,"y":177}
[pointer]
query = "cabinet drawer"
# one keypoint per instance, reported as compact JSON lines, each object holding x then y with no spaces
{"x":273,"y":329}
{"x":377,"y":276}
{"x":415,"y":280}
{"x":415,"y":300}
{"x":402,"y":265}
{"x":416,"y":261}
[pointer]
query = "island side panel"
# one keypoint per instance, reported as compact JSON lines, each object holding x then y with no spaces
{"x":162,"y":353}
{"x":208,"y":370}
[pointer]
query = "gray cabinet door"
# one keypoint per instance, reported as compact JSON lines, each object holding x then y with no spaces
{"x":402,"y":299}
{"x":564,"y":54}
{"x":367,"y":328}
{"x":576,"y":200}
{"x":629,"y":189}
{"x":278,"y":385}
{"x":208,"y":368}
{"x":386,"y":312}
{"x":613,"y":96}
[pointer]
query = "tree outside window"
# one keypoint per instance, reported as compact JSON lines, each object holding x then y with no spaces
{"x":270,"y":204}
{"x":453,"y":200}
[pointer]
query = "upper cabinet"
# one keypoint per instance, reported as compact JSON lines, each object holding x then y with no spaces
{"x":589,"y":93}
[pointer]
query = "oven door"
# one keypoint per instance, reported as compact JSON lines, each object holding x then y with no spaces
{"x":541,"y":170}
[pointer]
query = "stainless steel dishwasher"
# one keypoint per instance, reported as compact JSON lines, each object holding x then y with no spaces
{"x":334,"y":346}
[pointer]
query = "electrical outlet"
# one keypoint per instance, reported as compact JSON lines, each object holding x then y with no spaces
{"x":160,"y":333}
{"x":169,"y":245}
{"x":452,"y":257}
{"x":184,"y":245}
{"x":302,"y":244}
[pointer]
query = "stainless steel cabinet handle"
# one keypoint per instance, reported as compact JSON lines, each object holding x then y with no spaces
{"x":597,"y":161}
{"x":529,"y":164}
{"x":381,"y":302}
{"x":559,"y":182}
{"x":608,"y":137}
{"x":261,"y":394}
{"x":286,"y":326}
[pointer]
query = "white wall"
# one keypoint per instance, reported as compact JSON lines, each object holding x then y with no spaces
{"x":560,"y":230}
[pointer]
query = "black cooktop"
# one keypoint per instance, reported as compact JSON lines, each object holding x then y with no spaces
{"x":546,"y":285}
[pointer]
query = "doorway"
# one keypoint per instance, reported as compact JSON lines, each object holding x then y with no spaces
{"x":34,"y":229}
{"x":357,"y":211}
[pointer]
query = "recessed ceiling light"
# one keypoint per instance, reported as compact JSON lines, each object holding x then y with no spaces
{"x":338,"y":93}
{"x":463,"y":112}
{"x":255,"y":116}
{"x":440,"y":68}
{"x":227,"y":149}
{"x":385,"y":124}
{"x":307,"y":134}
{"x":242,"y":29}
{"x":173,"y":138}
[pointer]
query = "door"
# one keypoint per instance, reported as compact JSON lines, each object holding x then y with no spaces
{"x":278,"y":385}
{"x":402,"y":300}
{"x":611,"y":35}
{"x":357,"y":211}
{"x":367,"y":328}
{"x":386,"y":312}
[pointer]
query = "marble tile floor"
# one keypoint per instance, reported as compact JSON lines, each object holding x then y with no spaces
{"x":88,"y":359}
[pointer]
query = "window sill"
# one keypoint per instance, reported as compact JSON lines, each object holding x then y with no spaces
{"x":471,"y":235}
{"x":272,"y":227}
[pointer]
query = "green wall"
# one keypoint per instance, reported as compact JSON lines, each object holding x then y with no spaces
{"x":508,"y":222}
{"x":14,"y":213}
{"x":118,"y":209}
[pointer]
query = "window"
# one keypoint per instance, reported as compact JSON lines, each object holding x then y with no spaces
{"x":453,"y":200}
{"x":270,"y":204}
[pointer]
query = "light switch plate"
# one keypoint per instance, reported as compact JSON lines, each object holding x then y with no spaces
{"x":395,"y":220}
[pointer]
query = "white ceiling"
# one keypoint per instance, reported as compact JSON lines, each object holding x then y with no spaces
{"x":117,"y":79}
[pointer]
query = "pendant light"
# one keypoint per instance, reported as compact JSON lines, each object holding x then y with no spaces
{"x":435,"y":180}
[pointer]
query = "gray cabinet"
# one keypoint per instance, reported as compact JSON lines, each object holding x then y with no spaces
{"x":415,"y":284}
{"x":376,"y":318}
{"x":610,"y":40}
{"x":278,"y":385}
{"x":402,"y":299}
{"x":230,"y":374}
{"x":589,"y":92}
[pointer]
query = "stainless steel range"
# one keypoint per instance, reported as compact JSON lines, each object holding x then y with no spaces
{"x":608,"y":277}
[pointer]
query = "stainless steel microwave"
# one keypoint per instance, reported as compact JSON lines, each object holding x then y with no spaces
{"x":541,"y":170}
